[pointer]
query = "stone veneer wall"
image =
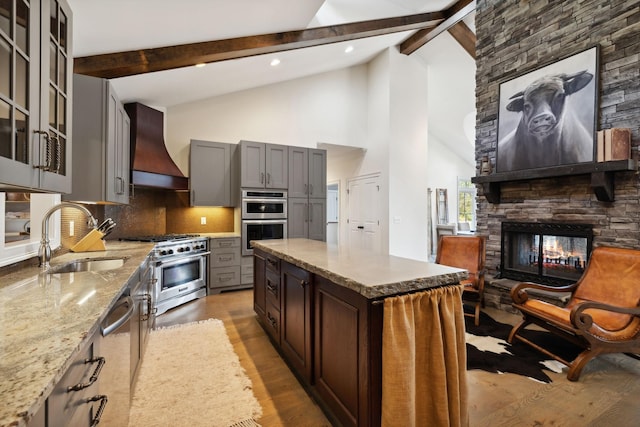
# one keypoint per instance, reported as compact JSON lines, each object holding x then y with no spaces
{"x":517,"y":36}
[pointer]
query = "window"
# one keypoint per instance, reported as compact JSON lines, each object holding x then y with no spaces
{"x":466,"y":203}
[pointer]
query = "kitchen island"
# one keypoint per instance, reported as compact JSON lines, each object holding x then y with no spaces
{"x":322,"y":306}
{"x":46,"y":321}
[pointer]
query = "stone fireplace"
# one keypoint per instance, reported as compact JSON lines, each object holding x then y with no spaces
{"x":518,"y":36}
{"x":553,"y":254}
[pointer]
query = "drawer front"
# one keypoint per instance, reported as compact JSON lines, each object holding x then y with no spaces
{"x":223,"y":277}
{"x":224,"y":242}
{"x":227,"y":257}
{"x":273,"y":288}
{"x":272,"y":318}
{"x":64,"y":404}
{"x":273,"y":264}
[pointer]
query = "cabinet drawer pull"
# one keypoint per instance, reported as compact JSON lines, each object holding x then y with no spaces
{"x":273,"y":289}
{"x":224,"y":259}
{"x":303,"y":283}
{"x":272,"y":262}
{"x":273,"y":321}
{"x":261,"y":177}
{"x":225,"y":244}
{"x":103,"y":403}
{"x":94,"y":376}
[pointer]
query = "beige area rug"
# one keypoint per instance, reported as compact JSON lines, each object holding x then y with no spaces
{"x":190,"y":376}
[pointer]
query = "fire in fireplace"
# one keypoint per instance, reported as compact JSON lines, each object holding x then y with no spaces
{"x":549,"y":253}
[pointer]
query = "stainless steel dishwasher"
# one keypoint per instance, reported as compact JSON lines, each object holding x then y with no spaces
{"x":115,"y":346}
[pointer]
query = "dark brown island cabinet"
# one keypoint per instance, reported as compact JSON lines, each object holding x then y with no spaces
{"x":329,"y":335}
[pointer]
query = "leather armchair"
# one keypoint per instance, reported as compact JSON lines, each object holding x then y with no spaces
{"x":602,"y":314}
{"x":466,"y":252}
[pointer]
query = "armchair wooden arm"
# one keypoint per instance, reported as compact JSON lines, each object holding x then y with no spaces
{"x":519,"y":292}
{"x":584,"y":321}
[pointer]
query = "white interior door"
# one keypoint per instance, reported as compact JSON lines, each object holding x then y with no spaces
{"x":363,"y":197}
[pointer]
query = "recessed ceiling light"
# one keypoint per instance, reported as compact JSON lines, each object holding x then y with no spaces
{"x":200,"y":65}
{"x":275,"y":62}
{"x":349,"y":49}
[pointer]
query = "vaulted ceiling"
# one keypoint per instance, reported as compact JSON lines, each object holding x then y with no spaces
{"x":149,"y":47}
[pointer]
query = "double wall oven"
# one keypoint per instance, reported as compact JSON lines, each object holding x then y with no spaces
{"x":264,"y":216}
{"x":179,"y":263}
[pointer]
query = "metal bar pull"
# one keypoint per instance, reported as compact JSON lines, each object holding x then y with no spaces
{"x":48,"y":154}
{"x":103,"y":403}
{"x":94,"y":376}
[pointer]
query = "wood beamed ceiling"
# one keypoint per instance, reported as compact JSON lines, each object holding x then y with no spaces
{"x":428,"y":25}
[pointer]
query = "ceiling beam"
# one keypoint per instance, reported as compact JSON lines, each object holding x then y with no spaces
{"x":465,"y":37}
{"x":121,"y":64}
{"x":453,"y":15}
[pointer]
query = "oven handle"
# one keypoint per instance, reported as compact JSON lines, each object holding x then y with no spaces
{"x":181,"y":260}
{"x":282,"y":200}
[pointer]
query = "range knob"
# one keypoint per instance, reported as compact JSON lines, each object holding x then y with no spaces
{"x":187,"y":249}
{"x":170,"y":251}
{"x":180,"y":249}
{"x":163,"y":252}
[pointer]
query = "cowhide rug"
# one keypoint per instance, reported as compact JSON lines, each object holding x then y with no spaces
{"x":488,"y":349}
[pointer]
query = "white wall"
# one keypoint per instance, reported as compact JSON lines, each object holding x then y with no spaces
{"x":444,"y":167}
{"x":329,"y":108}
{"x":381,"y":107}
{"x":408,"y":148}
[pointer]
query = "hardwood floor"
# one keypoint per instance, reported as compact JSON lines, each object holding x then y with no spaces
{"x":606,"y":395}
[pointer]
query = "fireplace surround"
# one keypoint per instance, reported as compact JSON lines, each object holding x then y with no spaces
{"x":553,"y":254}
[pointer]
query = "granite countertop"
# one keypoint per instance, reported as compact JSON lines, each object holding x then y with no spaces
{"x":45,"y":321}
{"x":371,"y":275}
{"x":220,"y":235}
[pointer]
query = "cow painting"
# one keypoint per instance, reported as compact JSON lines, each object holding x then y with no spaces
{"x":548,"y":132}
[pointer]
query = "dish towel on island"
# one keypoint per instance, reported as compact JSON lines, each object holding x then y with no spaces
{"x":424,"y":375}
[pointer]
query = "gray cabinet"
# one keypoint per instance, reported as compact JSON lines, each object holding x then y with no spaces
{"x":225,"y":265}
{"x":101,"y":156}
{"x":35,"y":102}
{"x":263,"y":165}
{"x":213,"y":176}
{"x":307,"y":218}
{"x":307,"y":172}
{"x":307,"y":202}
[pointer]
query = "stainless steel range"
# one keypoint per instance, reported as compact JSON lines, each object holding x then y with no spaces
{"x":179,"y":269}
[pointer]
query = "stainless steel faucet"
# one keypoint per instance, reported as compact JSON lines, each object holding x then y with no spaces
{"x":44,"y":253}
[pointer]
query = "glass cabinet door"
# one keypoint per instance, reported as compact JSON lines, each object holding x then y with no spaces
{"x":19,"y":98}
{"x":35,"y":80}
{"x":54,"y":155}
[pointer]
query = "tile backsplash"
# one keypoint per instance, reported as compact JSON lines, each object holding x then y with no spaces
{"x":151,"y":212}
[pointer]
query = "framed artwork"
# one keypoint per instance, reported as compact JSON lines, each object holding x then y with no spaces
{"x":547,"y":117}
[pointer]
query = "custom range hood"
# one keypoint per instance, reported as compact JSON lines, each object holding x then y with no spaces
{"x":151,"y":164}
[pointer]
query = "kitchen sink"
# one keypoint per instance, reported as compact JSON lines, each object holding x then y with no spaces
{"x":88,"y":264}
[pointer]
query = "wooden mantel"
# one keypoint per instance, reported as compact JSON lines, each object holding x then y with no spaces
{"x":602,"y":177}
